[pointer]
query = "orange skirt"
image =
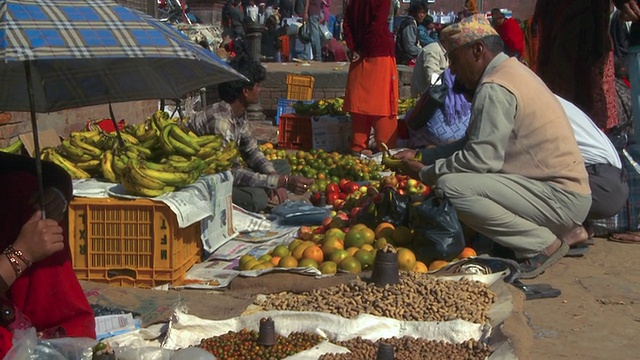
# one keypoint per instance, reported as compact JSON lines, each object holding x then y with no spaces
{"x":372,"y":87}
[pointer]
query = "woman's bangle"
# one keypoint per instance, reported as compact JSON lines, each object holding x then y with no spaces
{"x":14,"y":262}
{"x":20,"y":255}
{"x":286,"y":181}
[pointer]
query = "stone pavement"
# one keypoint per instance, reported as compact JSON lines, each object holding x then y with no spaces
{"x":265,"y":131}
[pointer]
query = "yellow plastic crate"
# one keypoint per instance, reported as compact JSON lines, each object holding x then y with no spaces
{"x":130,"y":243}
{"x":300,"y":87}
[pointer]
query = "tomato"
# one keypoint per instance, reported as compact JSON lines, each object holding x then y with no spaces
{"x":352,"y":187}
{"x":343,"y":184}
{"x":332,"y":197}
{"x":332,"y":187}
{"x":315,"y":198}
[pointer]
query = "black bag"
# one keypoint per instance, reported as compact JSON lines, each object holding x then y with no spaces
{"x":432,"y":99}
{"x":437,"y":233}
{"x":390,"y":207}
{"x":304,"y":33}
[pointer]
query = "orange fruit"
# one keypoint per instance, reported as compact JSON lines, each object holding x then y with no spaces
{"x":354,"y":237}
{"x":359,"y":226}
{"x":368,"y":235}
{"x":406,"y":259}
{"x":367,"y":247}
{"x":280,"y":251}
{"x":420,"y":267}
{"x":350,"y":264}
{"x":299,"y":250}
{"x":467,"y":252}
{"x":352,"y":250}
{"x":308,"y":263}
{"x":437,"y":264}
{"x":328,"y":267}
{"x":244,"y":259}
{"x":381,"y":242}
{"x":264,"y":258}
{"x":384,"y":229}
{"x":275,"y":260}
{"x":365,"y":257}
{"x":338,"y":255}
{"x":313,"y":252}
{"x":335,"y":232}
{"x":267,"y":145}
{"x":401,"y":236}
{"x":332,"y":244}
{"x":288,"y":262}
{"x":249,"y":264}
{"x":294,"y":244}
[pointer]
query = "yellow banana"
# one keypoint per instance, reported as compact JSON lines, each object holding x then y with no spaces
{"x":230,"y":152}
{"x":174,"y":178}
{"x":206,"y":139}
{"x":13,"y":148}
{"x":71,"y":150}
{"x":178,"y":158}
{"x":107,"y":165}
{"x":195,"y":164}
{"x":206,"y":152}
{"x":141,"y":179}
{"x":151,"y":143}
{"x":150,"y":134}
{"x":128,"y":138}
{"x":165,"y":166}
{"x":120,"y":164}
{"x":181,"y":148}
{"x":136,"y":189}
{"x":67,"y":165}
{"x":223,"y":165}
{"x":139,"y":130}
{"x":141,"y":151}
{"x":77,"y":141}
{"x":88,"y":165}
{"x":179,"y":135}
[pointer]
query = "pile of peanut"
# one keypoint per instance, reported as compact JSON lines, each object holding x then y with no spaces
{"x":409,"y":348}
{"x":418,"y":297}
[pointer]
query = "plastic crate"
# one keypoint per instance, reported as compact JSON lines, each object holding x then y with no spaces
{"x":130,"y":243}
{"x":300,"y":87}
{"x":295,"y":132}
{"x":285,"y":106}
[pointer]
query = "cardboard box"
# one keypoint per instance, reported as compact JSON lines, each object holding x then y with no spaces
{"x":218,"y":229}
{"x":332,"y":133}
{"x":47,"y":138}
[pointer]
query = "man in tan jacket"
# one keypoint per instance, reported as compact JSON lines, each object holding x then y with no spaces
{"x":519,"y":177}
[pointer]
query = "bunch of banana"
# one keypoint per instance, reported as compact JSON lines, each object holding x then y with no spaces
{"x":13,"y":148}
{"x":145,"y":178}
{"x":50,"y":154}
{"x":222,"y":160}
{"x":405,"y":104}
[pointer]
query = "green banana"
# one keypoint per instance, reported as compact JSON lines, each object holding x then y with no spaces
{"x":128,"y":138}
{"x":195,"y":164}
{"x":181,"y":148}
{"x":230,"y":152}
{"x":91,"y":150}
{"x":142,"y":179}
{"x":71,"y":150}
{"x":208,"y":139}
{"x":179,"y":135}
{"x":107,"y":165}
{"x":165,"y":166}
{"x":174,"y":178}
{"x":13,"y":148}
{"x":148,"y":135}
{"x":165,"y":141}
{"x":151,"y":143}
{"x":136,"y":189}
{"x":141,"y":151}
{"x":67,"y":165}
{"x":206,"y":152}
{"x":120,"y":164}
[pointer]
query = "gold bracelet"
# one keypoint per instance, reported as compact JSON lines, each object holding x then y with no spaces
{"x":14,"y":262}
{"x":20,"y":255}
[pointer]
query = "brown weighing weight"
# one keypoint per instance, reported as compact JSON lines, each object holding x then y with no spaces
{"x":385,"y":352}
{"x":267,"y":332}
{"x":385,"y":269}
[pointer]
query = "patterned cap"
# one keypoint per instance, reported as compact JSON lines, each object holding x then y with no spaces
{"x":470,"y":29}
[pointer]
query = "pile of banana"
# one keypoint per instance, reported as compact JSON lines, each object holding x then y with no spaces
{"x":13,"y":148}
{"x":405,"y":104}
{"x":155,"y":156}
{"x":332,"y":106}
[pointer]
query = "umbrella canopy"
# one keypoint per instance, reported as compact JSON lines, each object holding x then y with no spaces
{"x":89,"y":52}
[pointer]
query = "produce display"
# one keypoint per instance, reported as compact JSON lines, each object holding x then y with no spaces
{"x":409,"y":348}
{"x":418,"y":297}
{"x":326,"y":167}
{"x":242,"y":345}
{"x":333,"y":106}
{"x":157,"y":156}
{"x":13,"y":148}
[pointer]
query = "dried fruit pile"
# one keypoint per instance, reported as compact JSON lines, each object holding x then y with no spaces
{"x":242,"y":345}
{"x":409,"y":348}
{"x":418,"y":297}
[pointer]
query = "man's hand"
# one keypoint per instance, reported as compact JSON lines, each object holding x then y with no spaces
{"x":299,"y":184}
{"x":355,"y":56}
{"x":55,"y":204}
{"x":305,"y":17}
{"x":629,"y":11}
{"x":412,"y":168}
{"x":39,"y":238}
{"x":405,"y":154}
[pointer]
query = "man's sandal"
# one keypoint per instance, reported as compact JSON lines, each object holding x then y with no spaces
{"x":532,"y":267}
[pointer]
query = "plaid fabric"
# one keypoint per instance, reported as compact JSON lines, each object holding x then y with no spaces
{"x":219,"y":119}
{"x":88,"y":52}
{"x":629,"y":217}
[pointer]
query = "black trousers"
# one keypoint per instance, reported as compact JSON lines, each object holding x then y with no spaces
{"x":609,"y":190}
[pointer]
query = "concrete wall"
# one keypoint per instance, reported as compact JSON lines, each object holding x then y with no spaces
{"x":13,"y":124}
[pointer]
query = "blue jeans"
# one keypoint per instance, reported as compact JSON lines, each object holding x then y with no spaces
{"x":634,"y":78}
{"x":316,"y":37}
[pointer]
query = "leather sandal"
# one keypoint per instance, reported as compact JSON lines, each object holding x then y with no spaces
{"x":533,"y":267}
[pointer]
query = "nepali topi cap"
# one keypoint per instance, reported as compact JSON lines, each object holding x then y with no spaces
{"x":468,"y":30}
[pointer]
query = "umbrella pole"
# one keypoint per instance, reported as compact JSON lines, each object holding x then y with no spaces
{"x":36,"y":139}
{"x":115,"y":124}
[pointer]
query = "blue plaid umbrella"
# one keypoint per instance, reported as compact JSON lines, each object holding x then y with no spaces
{"x":61,"y":54}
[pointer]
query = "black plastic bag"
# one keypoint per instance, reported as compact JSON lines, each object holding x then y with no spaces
{"x":304,"y":33}
{"x":387,"y":206}
{"x":437,"y":232}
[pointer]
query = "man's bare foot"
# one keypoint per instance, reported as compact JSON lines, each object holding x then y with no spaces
{"x":575,"y":236}
{"x":555,"y":245}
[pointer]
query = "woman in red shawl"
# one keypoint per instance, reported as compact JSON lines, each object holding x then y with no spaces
{"x":575,"y":57}
{"x":371,"y":95}
{"x":37,"y":284}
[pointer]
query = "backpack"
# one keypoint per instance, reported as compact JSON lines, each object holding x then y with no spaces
{"x":401,"y":55}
